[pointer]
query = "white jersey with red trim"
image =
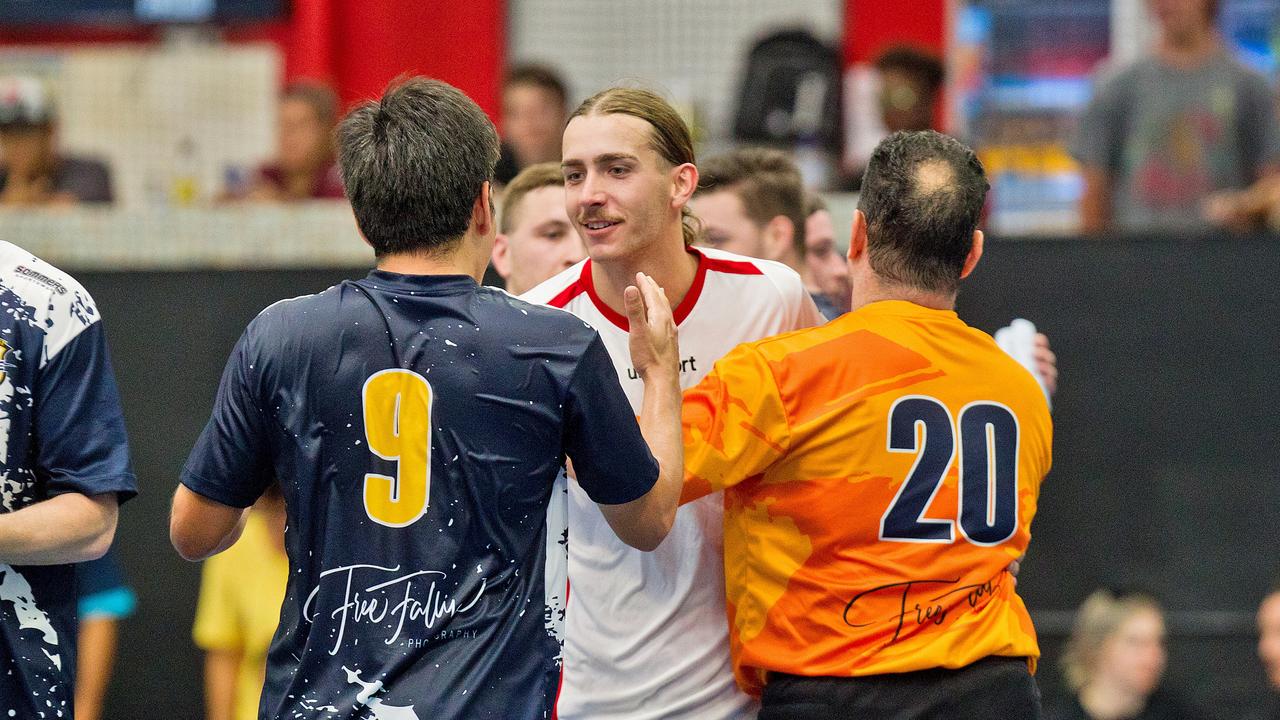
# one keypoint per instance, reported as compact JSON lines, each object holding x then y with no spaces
{"x":646,"y":633}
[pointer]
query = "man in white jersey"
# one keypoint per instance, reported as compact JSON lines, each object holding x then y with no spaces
{"x":646,"y":634}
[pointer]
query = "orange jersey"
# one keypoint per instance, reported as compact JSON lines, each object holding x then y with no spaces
{"x":880,"y":473}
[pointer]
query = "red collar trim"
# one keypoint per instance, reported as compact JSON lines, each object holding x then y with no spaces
{"x":679,"y":314}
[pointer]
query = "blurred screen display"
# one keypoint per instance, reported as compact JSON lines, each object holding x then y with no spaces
{"x":129,"y":12}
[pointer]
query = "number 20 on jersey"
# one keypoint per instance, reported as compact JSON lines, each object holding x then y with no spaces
{"x":984,"y":439}
{"x":397,"y":425}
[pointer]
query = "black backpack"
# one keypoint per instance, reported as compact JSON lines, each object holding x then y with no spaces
{"x":791,"y":92}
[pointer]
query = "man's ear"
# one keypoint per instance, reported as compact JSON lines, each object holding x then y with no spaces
{"x":685,"y":182}
{"x":858,"y":238}
{"x":779,"y":237}
{"x":482,"y":211}
{"x":975,"y":254}
{"x":501,"y":257}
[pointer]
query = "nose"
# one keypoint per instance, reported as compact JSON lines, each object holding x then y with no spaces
{"x":592,"y":192}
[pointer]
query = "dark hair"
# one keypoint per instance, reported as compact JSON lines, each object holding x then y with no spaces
{"x":767,"y":181}
{"x":413,"y":164}
{"x":537,"y":75}
{"x":923,"y":66}
{"x":922,"y":197}
{"x":669,"y":135}
{"x":321,"y":98}
{"x":534,"y":177}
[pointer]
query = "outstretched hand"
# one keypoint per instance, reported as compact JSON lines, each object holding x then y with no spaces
{"x":654,"y":342}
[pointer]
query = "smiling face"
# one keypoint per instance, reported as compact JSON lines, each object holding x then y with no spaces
{"x":619,"y":192}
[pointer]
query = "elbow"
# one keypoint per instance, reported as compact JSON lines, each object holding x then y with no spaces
{"x":101,"y":531}
{"x":655,"y":532}
{"x":190,"y":546}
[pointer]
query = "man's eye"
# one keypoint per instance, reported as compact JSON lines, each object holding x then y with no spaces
{"x":572,"y":176}
{"x":618,"y":170}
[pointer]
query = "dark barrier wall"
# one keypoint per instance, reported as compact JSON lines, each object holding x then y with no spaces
{"x":1166,"y":450}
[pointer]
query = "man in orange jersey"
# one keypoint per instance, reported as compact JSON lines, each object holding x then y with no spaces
{"x":880,"y":473}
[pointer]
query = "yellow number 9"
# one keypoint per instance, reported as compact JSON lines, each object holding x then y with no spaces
{"x":397,"y":424}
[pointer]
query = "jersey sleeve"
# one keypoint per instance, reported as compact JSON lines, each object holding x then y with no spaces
{"x":231,"y":461}
{"x":610,"y":457}
{"x":735,"y":426}
{"x":81,"y":446}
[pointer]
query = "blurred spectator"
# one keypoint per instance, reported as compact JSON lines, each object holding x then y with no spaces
{"x":1115,"y":659}
{"x":535,"y":238}
{"x":104,"y":600}
{"x":305,"y":168}
{"x":241,"y":591}
{"x":31,"y":170}
{"x":752,"y":202}
{"x":534,"y":113}
{"x":1164,"y":133}
{"x":910,"y":88}
{"x":1269,"y":651}
{"x":826,"y":267}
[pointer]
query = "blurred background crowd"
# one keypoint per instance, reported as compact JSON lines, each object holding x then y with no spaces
{"x":143,"y":138}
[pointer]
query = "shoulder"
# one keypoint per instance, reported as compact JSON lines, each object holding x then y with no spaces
{"x":530,"y":317}
{"x":773,"y":276}
{"x":53,"y":302}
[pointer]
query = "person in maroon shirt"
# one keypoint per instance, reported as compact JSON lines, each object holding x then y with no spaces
{"x":305,"y":168}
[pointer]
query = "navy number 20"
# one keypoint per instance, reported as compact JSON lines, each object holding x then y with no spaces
{"x":988,"y":455}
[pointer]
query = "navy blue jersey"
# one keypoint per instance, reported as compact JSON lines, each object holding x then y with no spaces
{"x":61,"y":431}
{"x":417,"y":425}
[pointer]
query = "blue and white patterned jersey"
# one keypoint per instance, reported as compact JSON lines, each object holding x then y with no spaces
{"x":61,"y":431}
{"x":417,"y":426}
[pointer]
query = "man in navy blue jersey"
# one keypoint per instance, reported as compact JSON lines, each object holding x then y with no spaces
{"x":417,"y":423}
{"x":64,"y":470}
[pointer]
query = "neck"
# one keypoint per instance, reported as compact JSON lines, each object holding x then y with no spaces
{"x":1190,"y":49}
{"x":1103,"y":701}
{"x":870,"y":288}
{"x":457,"y":262}
{"x":666,"y":261}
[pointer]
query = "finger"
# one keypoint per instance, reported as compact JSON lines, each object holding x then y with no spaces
{"x":1042,"y":341}
{"x":655,"y":300}
{"x":633,"y":301}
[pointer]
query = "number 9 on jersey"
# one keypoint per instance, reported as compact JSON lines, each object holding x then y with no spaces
{"x":397,"y":425}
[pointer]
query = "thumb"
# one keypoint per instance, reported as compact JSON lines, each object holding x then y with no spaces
{"x":634,"y":305}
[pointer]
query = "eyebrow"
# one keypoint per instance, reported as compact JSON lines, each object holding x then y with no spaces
{"x":601,"y":159}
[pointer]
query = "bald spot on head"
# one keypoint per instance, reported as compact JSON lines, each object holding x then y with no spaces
{"x":934,"y":176}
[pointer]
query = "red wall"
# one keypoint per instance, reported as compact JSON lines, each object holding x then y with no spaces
{"x":360,"y":45}
{"x":873,"y":25}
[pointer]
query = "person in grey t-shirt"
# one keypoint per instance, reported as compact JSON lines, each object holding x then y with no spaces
{"x":1165,"y":133}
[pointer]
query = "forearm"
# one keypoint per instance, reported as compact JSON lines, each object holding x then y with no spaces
{"x":67,"y":528}
{"x":660,"y":426}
